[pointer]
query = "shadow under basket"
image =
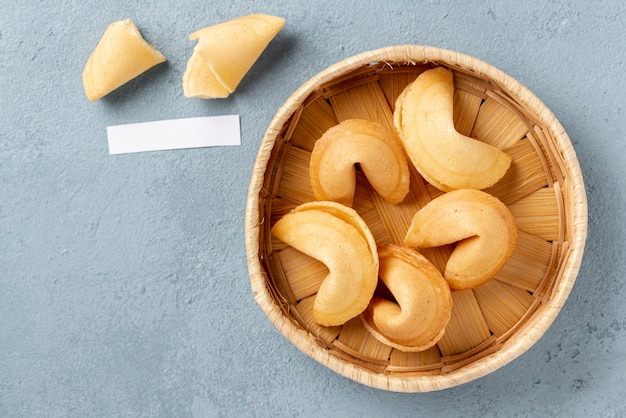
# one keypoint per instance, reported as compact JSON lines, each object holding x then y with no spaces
{"x":490,"y":325}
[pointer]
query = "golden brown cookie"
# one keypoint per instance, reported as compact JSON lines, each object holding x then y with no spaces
{"x":448,"y":160}
{"x":338,"y":237}
{"x":374,"y":147}
{"x":481,"y":226}
{"x":417,"y":318}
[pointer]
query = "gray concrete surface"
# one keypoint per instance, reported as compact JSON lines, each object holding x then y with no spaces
{"x":123,"y":279}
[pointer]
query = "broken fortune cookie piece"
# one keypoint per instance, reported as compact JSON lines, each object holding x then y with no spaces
{"x":225,"y":52}
{"x":121,"y":55}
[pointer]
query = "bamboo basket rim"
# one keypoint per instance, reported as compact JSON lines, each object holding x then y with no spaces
{"x":528,"y":333}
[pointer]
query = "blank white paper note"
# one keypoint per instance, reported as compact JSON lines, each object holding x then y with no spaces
{"x":209,"y":131}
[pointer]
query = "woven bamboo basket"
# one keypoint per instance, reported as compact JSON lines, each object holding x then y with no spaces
{"x":490,"y":325}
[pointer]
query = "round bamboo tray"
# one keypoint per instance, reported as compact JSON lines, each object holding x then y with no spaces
{"x":490,"y":325}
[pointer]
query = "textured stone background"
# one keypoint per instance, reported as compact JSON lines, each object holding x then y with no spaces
{"x":123,"y":279}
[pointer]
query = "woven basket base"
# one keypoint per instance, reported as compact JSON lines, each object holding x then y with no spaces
{"x":491,"y":324}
